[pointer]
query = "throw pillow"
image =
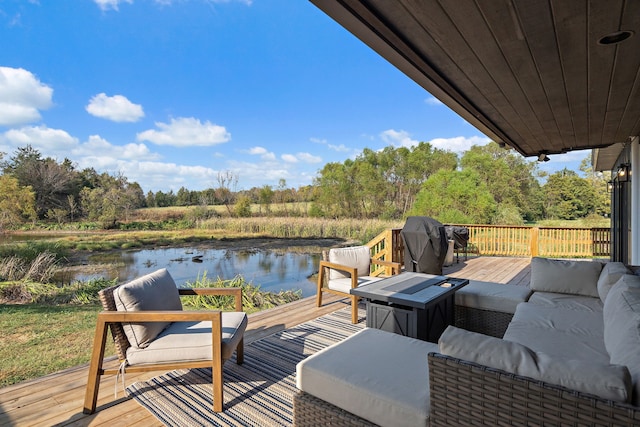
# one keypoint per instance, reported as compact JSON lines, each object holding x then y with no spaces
{"x":611,"y":273}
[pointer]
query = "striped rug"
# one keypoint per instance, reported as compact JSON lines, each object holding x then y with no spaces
{"x":256,"y":393}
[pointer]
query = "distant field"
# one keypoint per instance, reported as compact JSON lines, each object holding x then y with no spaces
{"x":175,"y":212}
{"x":301,"y":209}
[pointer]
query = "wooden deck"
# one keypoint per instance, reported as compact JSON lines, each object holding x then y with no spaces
{"x":57,"y":399}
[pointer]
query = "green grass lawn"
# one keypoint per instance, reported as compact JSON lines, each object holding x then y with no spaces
{"x":36,"y":340}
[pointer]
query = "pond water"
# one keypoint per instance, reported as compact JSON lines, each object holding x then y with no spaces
{"x":272,"y":270}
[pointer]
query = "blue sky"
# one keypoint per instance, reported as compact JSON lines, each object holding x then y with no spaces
{"x":172,"y":92}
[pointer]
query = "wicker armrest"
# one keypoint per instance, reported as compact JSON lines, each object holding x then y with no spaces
{"x":465,"y":393}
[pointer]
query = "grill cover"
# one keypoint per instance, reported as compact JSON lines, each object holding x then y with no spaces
{"x":459,"y":235}
{"x":425,"y":245}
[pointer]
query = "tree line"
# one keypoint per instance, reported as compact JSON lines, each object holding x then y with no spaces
{"x":485,"y":185}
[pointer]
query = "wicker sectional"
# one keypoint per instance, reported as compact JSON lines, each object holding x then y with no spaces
{"x":463,"y":392}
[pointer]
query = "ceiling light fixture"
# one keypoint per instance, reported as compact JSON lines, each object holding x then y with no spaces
{"x":542,"y":157}
{"x":616,"y":37}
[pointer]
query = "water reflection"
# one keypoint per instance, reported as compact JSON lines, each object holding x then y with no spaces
{"x":272,"y":270}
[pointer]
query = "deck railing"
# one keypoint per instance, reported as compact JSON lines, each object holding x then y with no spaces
{"x":516,"y":241}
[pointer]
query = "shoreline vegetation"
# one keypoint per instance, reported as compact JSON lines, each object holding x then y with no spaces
{"x":51,"y":325}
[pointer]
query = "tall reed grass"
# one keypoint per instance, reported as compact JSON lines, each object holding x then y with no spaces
{"x":40,"y":269}
{"x":287,"y":227}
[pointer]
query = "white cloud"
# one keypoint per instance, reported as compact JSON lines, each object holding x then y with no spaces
{"x":42,"y":138}
{"x":257,"y":150}
{"x":116,"y":108}
{"x":289,"y":158}
{"x":105,"y":5}
{"x":186,"y":132}
{"x":301,"y":157}
{"x":398,"y":138}
{"x":459,"y":144}
{"x":262,"y":152}
{"x":309,"y":158}
{"x":22,"y":95}
{"x":433,"y":101}
{"x":97,"y":145}
{"x":339,"y":148}
{"x":259,"y":174}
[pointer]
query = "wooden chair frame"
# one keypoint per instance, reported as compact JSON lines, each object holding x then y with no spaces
{"x":110,"y":318}
{"x":322,"y":279}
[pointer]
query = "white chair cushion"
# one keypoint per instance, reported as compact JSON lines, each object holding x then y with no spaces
{"x":189,"y":341}
{"x":376,"y":375}
{"x":154,"y":291}
{"x":565,"y":276}
{"x":358,"y":257}
{"x":344,"y":285}
{"x":622,"y":327}
{"x":601,"y":379}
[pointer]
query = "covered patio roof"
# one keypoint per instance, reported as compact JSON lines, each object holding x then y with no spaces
{"x":543,"y":77}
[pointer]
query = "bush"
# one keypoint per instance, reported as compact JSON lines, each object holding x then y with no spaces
{"x":253,"y":299}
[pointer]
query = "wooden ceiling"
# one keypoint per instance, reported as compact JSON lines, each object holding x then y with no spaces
{"x":527,"y":73}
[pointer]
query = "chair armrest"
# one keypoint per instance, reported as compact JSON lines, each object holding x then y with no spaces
{"x":395,"y":266}
{"x":352,"y":270}
{"x":158,"y":316}
{"x":236,"y":292}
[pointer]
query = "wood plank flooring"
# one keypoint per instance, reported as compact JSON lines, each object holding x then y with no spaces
{"x":57,"y":399}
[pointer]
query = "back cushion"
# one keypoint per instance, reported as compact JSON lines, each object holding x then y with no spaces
{"x":611,"y":273}
{"x":621,"y":315}
{"x":567,"y":277}
{"x":355,"y":256}
{"x":155,"y":291}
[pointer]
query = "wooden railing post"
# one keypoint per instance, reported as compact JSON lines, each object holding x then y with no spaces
{"x":533,"y":241}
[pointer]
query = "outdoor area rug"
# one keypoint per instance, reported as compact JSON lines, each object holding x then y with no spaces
{"x":257,"y":393}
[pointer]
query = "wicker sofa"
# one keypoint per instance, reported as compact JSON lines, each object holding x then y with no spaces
{"x":570,"y":355}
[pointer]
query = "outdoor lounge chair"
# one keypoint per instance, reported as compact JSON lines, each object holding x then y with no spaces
{"x":348,"y":268}
{"x":151,"y":332}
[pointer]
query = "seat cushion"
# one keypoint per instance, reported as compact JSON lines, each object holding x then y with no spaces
{"x":558,"y":332}
{"x":601,"y":379}
{"x":344,"y":285}
{"x":358,"y":257}
{"x":567,"y":301}
{"x":376,"y":375}
{"x":189,"y":341}
{"x":622,"y":327}
{"x":154,"y":291}
{"x":492,"y":296}
{"x":565,"y":276}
